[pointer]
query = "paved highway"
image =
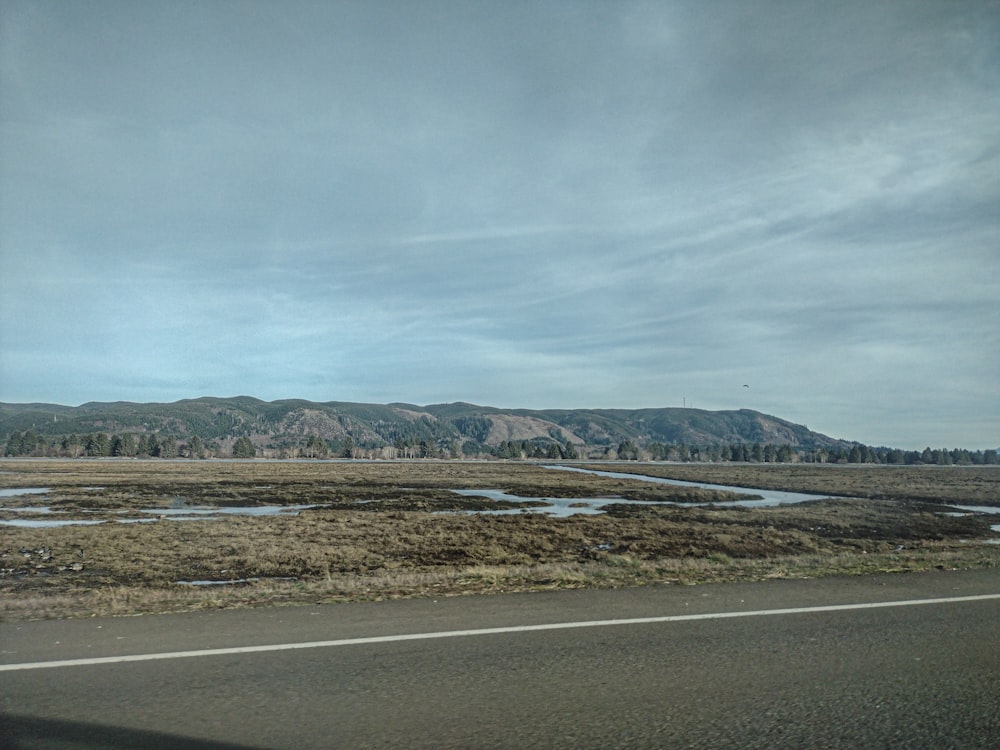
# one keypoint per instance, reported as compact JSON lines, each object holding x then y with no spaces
{"x":782,"y":664}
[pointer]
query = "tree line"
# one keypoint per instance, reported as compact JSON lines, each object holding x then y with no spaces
{"x":535,"y":449}
{"x":770,"y":453}
{"x":155,"y":445}
{"x":103,"y":444}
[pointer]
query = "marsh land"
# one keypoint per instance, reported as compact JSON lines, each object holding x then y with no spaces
{"x":83,"y":537}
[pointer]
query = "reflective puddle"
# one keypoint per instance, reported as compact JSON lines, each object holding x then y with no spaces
{"x":201,"y":512}
{"x":181,"y":513}
{"x":553,"y":506}
{"x":31,"y":509}
{"x":16,"y":491}
{"x":230,"y":582}
{"x":996,"y":529}
{"x":967,"y":509}
{"x":36,"y":523}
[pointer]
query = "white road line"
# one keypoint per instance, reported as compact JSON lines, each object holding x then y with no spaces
{"x":481,"y":631}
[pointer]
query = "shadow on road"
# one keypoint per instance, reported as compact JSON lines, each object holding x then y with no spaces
{"x":30,"y":733}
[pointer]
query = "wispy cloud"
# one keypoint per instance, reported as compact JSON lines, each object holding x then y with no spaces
{"x":586,"y":204}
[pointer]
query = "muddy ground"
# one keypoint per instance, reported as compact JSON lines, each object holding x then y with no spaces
{"x":378,"y":530}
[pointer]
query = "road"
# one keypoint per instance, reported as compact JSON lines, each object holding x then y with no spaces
{"x":916,"y":675}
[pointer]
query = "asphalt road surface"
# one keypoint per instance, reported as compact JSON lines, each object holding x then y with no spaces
{"x":714,"y":666}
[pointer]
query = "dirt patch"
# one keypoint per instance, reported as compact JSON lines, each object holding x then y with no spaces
{"x":510,"y":427}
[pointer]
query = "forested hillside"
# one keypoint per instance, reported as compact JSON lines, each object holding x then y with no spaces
{"x":246,"y":427}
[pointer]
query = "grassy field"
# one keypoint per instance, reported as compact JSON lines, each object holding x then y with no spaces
{"x":383,"y":530}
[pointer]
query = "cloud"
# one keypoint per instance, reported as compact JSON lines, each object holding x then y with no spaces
{"x":583,"y":204}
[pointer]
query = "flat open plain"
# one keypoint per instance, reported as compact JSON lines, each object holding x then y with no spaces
{"x":176,"y":535}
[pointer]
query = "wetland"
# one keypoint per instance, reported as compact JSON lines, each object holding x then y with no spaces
{"x":127,"y":537}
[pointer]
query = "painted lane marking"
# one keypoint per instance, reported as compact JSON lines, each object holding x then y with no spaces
{"x":482,"y":631}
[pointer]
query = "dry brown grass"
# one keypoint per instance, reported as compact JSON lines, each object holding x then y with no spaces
{"x":393,"y":545}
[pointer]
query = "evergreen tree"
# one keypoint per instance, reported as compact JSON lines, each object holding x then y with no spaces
{"x":961,"y":457}
{"x":167,"y":448}
{"x":72,"y":445}
{"x":15,"y":444}
{"x":98,"y":445}
{"x":30,"y":443}
{"x":123,"y":445}
{"x":34,"y":444}
{"x":244,"y":448}
{"x":509,"y":449}
{"x":196,"y":448}
{"x":627,"y":451}
{"x":315,"y":447}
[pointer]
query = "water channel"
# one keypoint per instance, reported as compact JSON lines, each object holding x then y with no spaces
{"x":180,"y":512}
{"x":571,"y":506}
{"x":550,"y":506}
{"x":559,"y":507}
{"x":755,"y":498}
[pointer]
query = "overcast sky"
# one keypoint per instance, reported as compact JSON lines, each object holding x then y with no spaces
{"x":522,"y":204}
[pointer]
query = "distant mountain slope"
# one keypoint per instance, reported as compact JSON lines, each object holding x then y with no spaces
{"x":287,"y":423}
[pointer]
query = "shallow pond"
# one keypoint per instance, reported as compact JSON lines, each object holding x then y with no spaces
{"x":30,"y":509}
{"x":199,"y":512}
{"x":206,"y":582}
{"x":15,"y":491}
{"x":36,"y":523}
{"x":187,"y":513}
{"x":554,"y":506}
{"x":974,"y":509}
{"x":965,"y":510}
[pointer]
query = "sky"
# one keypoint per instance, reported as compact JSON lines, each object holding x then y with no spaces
{"x":791,"y":206}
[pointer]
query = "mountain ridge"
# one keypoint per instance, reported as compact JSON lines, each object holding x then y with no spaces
{"x":286,"y":424}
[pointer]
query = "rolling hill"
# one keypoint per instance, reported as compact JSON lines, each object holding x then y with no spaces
{"x":287,"y":424}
